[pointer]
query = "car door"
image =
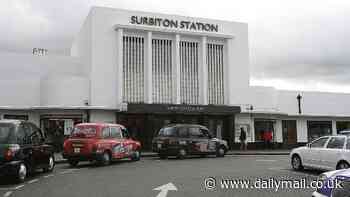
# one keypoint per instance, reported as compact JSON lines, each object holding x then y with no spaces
{"x":332,"y":154}
{"x":199,"y":142}
{"x":35,"y":143}
{"x":311,"y":155}
{"x":118,"y":140}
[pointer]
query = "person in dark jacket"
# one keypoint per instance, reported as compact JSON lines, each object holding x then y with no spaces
{"x":243,"y":138}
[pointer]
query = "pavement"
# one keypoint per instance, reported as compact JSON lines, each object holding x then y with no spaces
{"x":171,"y":177}
{"x":60,"y":159}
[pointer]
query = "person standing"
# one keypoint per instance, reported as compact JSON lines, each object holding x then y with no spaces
{"x":243,"y":138}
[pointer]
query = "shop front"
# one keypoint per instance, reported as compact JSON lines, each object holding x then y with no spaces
{"x":265,"y":133}
{"x":145,"y":120}
{"x":57,"y":127}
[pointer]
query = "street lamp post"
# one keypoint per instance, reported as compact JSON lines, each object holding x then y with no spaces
{"x":299,"y":97}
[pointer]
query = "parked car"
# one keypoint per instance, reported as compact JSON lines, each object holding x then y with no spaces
{"x":345,"y":132}
{"x":325,"y":153}
{"x":330,"y":187}
{"x":100,"y":142}
{"x":187,"y":139}
{"x":23,"y":150}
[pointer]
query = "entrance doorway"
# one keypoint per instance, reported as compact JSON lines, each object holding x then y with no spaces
{"x":289,"y":129}
{"x":58,"y":127}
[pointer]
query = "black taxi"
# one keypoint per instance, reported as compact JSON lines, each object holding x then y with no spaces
{"x":23,"y":150}
{"x":187,"y":139}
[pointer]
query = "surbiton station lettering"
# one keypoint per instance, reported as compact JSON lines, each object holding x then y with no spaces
{"x":170,"y":23}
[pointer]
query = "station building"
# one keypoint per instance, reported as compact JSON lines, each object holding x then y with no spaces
{"x":145,"y":70}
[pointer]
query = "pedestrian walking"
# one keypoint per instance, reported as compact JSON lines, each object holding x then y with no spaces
{"x":243,"y":138}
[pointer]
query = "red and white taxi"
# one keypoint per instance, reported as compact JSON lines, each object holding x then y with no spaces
{"x":100,"y":142}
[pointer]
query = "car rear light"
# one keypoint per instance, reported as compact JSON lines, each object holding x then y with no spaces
{"x":11,"y":151}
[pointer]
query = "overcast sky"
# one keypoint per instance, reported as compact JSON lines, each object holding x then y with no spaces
{"x":294,"y":44}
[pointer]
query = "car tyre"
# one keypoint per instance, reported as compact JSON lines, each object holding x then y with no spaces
{"x":21,"y":173}
{"x":220,"y":152}
{"x":73,"y":163}
{"x":106,"y":159}
{"x":136,"y":155}
{"x":297,"y":163}
{"x":50,"y":164}
{"x":182,"y":154}
{"x":342,"y":165}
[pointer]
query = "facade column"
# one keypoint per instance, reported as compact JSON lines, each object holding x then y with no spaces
{"x":120,"y":78}
{"x":227,"y":70}
{"x":148,"y":69}
{"x":334,"y":127}
{"x":203,"y":73}
{"x":176,"y":71}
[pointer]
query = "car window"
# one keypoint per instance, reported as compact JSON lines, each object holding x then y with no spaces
{"x":83,"y":131}
{"x":319,"y":143}
{"x":183,"y":132}
{"x":106,"y":132}
{"x":21,"y":135}
{"x":116,"y":132}
{"x":35,"y":134}
{"x":336,"y":143}
{"x":7,"y":135}
{"x":195,"y":132}
{"x":167,"y":132}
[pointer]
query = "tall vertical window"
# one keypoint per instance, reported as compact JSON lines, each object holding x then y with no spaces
{"x":162,"y":70}
{"x":189,"y":84}
{"x":133,"y":69}
{"x":215,"y":65}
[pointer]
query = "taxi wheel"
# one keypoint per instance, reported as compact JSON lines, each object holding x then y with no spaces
{"x":220,"y":152}
{"x":136,"y":156}
{"x":342,"y":165}
{"x":50,"y":164}
{"x":21,"y":173}
{"x":296,"y":163}
{"x":182,"y":154}
{"x":73,"y":163}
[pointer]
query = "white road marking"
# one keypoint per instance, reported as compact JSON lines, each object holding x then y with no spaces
{"x":19,"y":187}
{"x":164,"y":189}
{"x":33,"y":181}
{"x":68,"y":171}
{"x":48,"y":176}
{"x":265,"y":160}
{"x":7,"y":194}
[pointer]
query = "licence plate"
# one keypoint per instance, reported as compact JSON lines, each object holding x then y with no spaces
{"x":159,"y":145}
{"x":76,"y":150}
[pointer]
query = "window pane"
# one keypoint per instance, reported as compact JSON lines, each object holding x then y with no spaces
{"x":116,"y":133}
{"x":195,"y":132}
{"x":183,"y":132}
{"x":7,"y":134}
{"x":167,"y":132}
{"x":319,"y":143}
{"x":105,"y":132}
{"x":336,"y":142}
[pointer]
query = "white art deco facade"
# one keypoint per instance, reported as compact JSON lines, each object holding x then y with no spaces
{"x":145,"y":70}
